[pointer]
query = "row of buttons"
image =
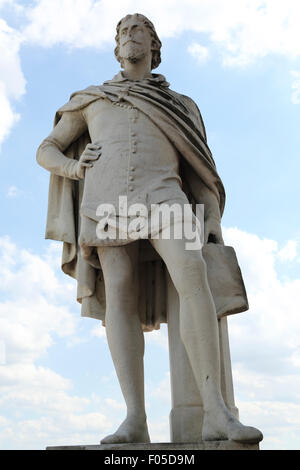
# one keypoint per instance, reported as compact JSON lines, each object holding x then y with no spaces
{"x":131,"y":178}
{"x":117,"y":103}
{"x":133,"y":119}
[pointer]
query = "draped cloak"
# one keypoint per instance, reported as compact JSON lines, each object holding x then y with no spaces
{"x":179,"y":118}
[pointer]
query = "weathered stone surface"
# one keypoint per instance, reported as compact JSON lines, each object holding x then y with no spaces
{"x":136,"y":142}
{"x":166,"y":446}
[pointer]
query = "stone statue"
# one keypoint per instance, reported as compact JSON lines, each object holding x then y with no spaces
{"x":135,"y":137}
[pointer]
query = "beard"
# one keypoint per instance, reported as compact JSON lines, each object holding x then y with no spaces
{"x":132,"y":52}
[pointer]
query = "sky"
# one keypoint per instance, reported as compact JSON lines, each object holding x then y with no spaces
{"x":239,"y":60}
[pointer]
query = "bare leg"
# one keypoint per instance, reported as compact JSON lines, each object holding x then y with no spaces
{"x":199,"y":333}
{"x":125,"y":337}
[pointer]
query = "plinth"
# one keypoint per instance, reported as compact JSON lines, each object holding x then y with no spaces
{"x":165,"y":446}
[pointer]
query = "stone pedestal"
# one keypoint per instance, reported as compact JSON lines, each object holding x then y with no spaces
{"x":187,"y":412}
{"x":164,"y":446}
{"x":186,"y":416}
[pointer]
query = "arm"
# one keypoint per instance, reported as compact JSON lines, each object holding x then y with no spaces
{"x":204,"y":195}
{"x":50,"y":153}
{"x":212,"y":217}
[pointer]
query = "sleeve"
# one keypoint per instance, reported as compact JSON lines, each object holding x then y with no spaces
{"x":196,"y":115}
{"x":199,"y":190}
{"x":201,"y":193}
{"x":50,"y":154}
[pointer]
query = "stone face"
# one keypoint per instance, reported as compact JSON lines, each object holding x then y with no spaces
{"x":165,"y":446}
{"x":135,"y":138}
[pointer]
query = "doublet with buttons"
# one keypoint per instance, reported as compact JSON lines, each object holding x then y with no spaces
{"x":137,"y":161}
{"x":145,"y":129}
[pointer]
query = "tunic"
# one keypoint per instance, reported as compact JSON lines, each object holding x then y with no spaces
{"x":177,"y":120}
{"x":137,"y":161}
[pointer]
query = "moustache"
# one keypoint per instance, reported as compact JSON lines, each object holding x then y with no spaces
{"x":131,"y":40}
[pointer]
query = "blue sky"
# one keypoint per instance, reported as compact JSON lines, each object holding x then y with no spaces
{"x":240,"y":61}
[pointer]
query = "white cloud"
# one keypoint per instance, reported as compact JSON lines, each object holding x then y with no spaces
{"x":2,"y":353}
{"x":159,"y":429}
{"x":279,"y":422}
{"x":37,"y":403}
{"x":54,"y":430}
{"x":159,"y":337}
{"x":43,"y":411}
{"x":12,"y":82}
{"x":5,"y":2}
{"x":13,"y":192}
{"x":7,"y":116}
{"x":40,"y":405}
{"x":200,"y":53}
{"x":256,"y":256}
{"x":35,"y":306}
{"x":253,"y":385}
{"x":265,"y":346}
{"x":273,"y":318}
{"x":241,"y":30}
{"x":26,"y":275}
{"x":116,"y":405}
{"x":29,"y":375}
{"x":3,"y":421}
{"x":80,"y":23}
{"x":162,"y":390}
{"x":244,"y":30}
{"x":289,"y":251}
{"x":98,"y":331}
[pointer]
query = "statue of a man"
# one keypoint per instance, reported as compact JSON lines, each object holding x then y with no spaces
{"x":135,"y":137}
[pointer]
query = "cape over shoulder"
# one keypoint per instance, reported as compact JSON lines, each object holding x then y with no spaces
{"x":194,"y":110}
{"x":80,"y":99}
{"x":181,"y":121}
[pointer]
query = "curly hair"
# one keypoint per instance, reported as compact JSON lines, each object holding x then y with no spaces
{"x":156,"y":43}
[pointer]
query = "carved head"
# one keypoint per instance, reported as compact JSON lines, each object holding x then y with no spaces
{"x":135,"y":33}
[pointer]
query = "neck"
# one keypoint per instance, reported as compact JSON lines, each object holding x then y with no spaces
{"x":137,"y":70}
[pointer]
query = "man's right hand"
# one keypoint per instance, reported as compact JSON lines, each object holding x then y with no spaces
{"x":90,"y":154}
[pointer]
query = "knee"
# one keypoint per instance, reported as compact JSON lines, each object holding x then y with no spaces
{"x":121,"y":290}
